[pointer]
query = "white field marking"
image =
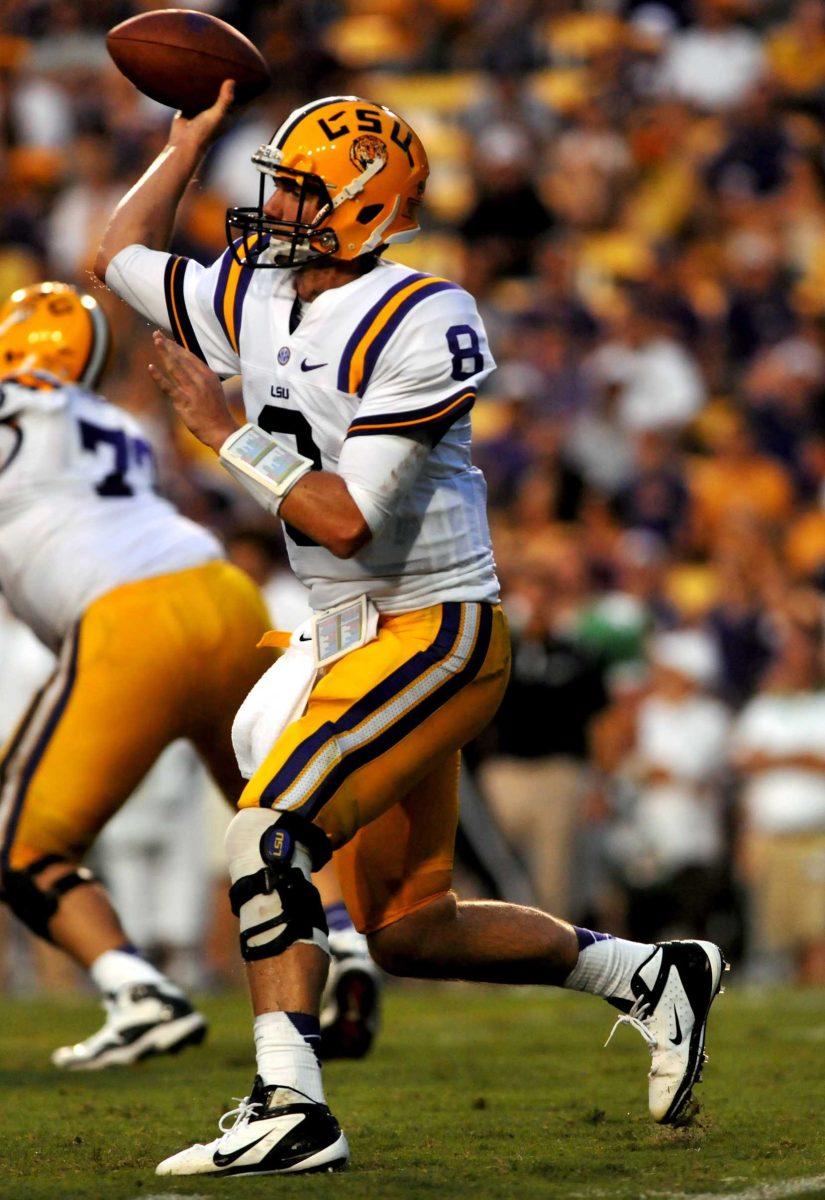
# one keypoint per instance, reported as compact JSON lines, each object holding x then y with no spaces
{"x":762,"y":1191}
{"x":172,"y":1196}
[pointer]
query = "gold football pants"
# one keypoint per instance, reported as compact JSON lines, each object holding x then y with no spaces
{"x":374,"y":760}
{"x":149,"y":662}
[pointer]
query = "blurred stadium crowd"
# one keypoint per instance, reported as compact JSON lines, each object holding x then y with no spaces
{"x":634,"y":191}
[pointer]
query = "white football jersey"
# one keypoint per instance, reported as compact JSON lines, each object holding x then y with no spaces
{"x":392,"y":352}
{"x":79,"y":515}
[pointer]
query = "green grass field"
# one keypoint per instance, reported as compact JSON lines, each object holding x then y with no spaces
{"x":471,"y":1093}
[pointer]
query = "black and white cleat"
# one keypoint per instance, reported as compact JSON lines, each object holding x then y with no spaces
{"x":141,"y":1020}
{"x":267,"y":1137}
{"x":674,"y":991}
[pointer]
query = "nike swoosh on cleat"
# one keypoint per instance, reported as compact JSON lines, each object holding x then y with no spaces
{"x":225,"y":1160}
{"x":677,"y":1039}
{"x":305,"y":366}
{"x":304,"y":637}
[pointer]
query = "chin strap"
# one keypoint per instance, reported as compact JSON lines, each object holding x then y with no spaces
{"x":357,"y":185}
{"x":377,"y":236}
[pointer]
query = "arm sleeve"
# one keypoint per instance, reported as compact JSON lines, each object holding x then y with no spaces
{"x":202,"y":307}
{"x":379,"y":472}
{"x":420,"y":374}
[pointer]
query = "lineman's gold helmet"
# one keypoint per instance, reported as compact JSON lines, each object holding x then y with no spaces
{"x":52,"y":327}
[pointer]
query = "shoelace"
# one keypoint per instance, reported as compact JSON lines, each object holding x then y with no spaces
{"x":245,"y":1109}
{"x":636,"y":1020}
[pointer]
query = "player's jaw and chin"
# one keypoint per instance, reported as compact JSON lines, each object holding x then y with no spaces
{"x":286,"y":225}
{"x":284,"y":230}
{"x":261,"y":241}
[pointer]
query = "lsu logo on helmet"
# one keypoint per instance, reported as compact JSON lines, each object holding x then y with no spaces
{"x":359,"y":172}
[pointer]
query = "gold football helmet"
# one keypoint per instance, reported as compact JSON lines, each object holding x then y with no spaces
{"x":365,"y":170}
{"x":53,"y":328}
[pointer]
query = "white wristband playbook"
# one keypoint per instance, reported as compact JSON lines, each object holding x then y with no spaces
{"x":265,"y":468}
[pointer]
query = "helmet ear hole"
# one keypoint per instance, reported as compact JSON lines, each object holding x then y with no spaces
{"x":368,"y":213}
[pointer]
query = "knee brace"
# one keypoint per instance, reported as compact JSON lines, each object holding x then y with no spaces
{"x":35,"y":905}
{"x":271,"y":857}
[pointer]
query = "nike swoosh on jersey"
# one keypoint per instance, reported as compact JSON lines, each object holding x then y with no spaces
{"x":677,"y":1037}
{"x":305,"y":366}
{"x":304,"y":637}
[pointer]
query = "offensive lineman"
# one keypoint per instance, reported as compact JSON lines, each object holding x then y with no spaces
{"x":156,"y":639}
{"x":365,"y":372}
{"x":152,"y":631}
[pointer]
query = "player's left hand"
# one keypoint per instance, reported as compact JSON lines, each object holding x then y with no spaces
{"x":195,"y":391}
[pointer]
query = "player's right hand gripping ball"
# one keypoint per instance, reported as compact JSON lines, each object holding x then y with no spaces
{"x":180,"y":58}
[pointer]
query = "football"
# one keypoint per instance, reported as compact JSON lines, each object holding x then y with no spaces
{"x":180,"y":58}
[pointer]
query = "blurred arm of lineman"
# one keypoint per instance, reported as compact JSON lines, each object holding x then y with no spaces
{"x":340,"y":511}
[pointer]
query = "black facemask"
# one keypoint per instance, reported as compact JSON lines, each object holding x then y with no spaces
{"x":249,"y":231}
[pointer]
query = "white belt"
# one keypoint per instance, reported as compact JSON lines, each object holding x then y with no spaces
{"x":281,"y":694}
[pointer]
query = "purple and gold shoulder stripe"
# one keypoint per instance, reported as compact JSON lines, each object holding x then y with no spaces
{"x":377,"y":326}
{"x":230,"y":293}
{"x":179,"y":322}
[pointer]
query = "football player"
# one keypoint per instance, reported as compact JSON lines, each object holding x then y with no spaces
{"x":154,"y":634}
{"x":156,"y":639}
{"x":358,"y":379}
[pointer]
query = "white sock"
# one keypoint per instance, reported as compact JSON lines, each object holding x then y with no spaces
{"x":606,"y":965}
{"x":115,"y":968}
{"x":285,"y":1049}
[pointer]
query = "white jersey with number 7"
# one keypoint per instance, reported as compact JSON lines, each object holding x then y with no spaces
{"x":79,"y":514}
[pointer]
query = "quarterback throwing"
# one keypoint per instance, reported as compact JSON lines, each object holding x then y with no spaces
{"x":358,"y":380}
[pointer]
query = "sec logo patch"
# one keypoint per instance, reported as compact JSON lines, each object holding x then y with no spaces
{"x":283,"y":355}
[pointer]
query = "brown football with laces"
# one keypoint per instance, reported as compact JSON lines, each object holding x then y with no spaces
{"x":180,"y":58}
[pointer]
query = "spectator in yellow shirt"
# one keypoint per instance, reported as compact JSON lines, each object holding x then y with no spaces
{"x":736,"y":481}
